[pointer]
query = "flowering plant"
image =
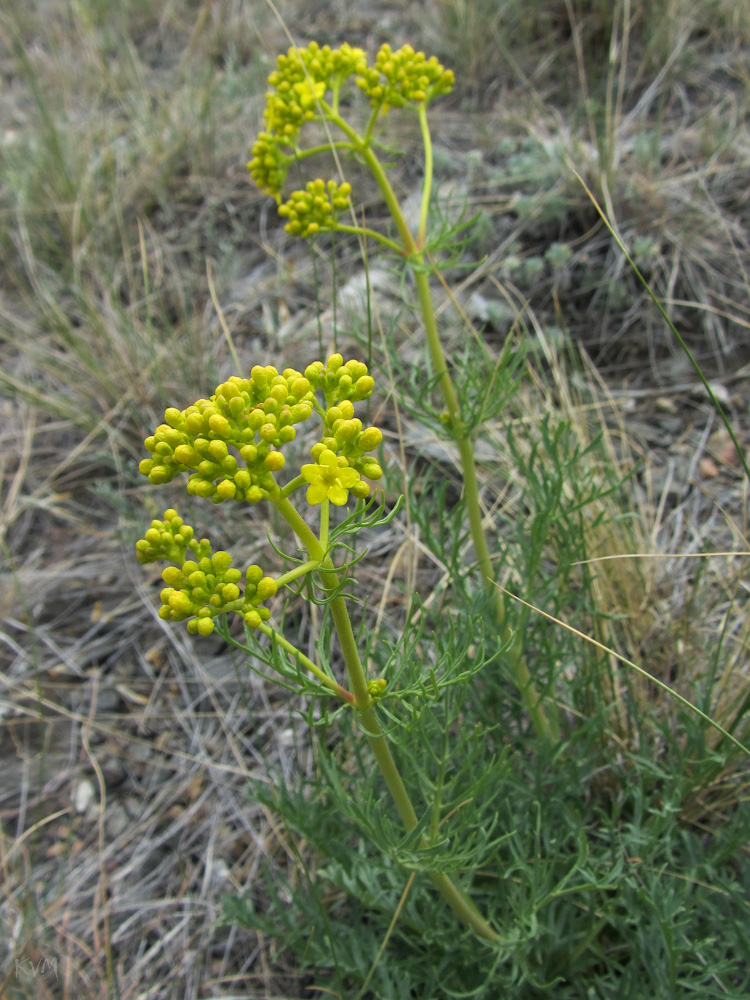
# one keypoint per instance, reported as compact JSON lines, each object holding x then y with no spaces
{"x":309,"y":85}
{"x":231,"y":446}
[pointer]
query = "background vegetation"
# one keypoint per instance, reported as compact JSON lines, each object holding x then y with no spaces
{"x":617,"y":867}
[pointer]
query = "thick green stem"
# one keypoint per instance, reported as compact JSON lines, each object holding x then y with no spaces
{"x":330,"y":581}
{"x":458,"y":901}
{"x":516,"y":663}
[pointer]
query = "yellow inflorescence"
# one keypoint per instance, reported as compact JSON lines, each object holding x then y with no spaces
{"x":201,"y":588}
{"x":297,"y":93}
{"x":315,"y":209}
{"x":402,"y":77}
{"x":229,"y":443}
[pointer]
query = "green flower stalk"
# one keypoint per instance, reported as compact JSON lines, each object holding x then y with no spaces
{"x":230,"y":447}
{"x":307,"y":86}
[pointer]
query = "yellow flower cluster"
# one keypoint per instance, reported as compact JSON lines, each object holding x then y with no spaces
{"x":376,"y":687}
{"x":402,"y":76}
{"x":269,"y":165}
{"x":300,"y":82}
{"x":345,"y":442}
{"x":201,"y":588}
{"x":229,"y":443}
{"x":339,"y":381}
{"x":297,"y":85}
{"x":169,"y":539}
{"x":315,"y":210}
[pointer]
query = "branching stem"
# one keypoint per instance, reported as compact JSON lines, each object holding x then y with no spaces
{"x":414,"y":250}
{"x":306,"y":662}
{"x":458,"y":901}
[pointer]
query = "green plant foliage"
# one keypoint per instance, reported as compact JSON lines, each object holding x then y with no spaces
{"x":606,"y":900}
{"x":472,"y":747}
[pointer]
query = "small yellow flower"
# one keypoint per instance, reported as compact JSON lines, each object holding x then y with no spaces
{"x":307,"y":95}
{"x":328,"y":480}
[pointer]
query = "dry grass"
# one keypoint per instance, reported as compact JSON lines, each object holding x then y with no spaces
{"x":126,"y":749}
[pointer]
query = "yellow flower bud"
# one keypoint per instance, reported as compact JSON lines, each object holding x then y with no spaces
{"x":172,"y":575}
{"x":186,"y":455}
{"x":267,"y":588}
{"x":252,"y":619}
{"x":299,"y":387}
{"x":217,"y":450}
{"x":345,"y":430}
{"x":370,"y":438}
{"x":274,"y":461}
{"x":364,"y":386}
{"x":226,"y":489}
{"x":194,"y":422}
{"x":236,"y":406}
{"x":173,"y":416}
{"x":219,"y":425}
{"x":220,"y":562}
{"x":202,"y":488}
{"x":179,"y":602}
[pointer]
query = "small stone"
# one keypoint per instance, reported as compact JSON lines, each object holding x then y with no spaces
{"x":84,"y":796}
{"x":708,"y":468}
{"x":114,"y":772}
{"x":720,"y":392}
{"x":665,"y":404}
{"x":117,"y":821}
{"x":107,"y":701}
